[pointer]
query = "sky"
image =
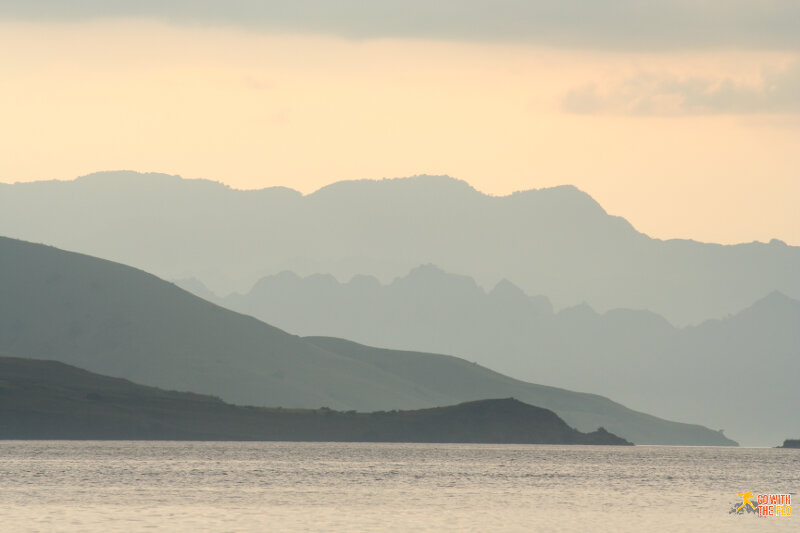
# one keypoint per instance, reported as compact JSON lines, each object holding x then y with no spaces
{"x":680,"y":116}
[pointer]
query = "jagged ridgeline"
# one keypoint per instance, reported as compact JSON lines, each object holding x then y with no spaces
{"x":558,"y":241}
{"x":122,"y":322}
{"x":634,"y":356}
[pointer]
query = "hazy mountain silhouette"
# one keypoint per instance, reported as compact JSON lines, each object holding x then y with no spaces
{"x":118,"y":321}
{"x":557,"y":241}
{"x":712,"y":373}
{"x":51,"y":400}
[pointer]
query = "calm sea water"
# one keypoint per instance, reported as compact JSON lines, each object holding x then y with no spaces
{"x":176,"y":486}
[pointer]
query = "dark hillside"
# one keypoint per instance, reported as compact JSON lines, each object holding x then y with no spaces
{"x":51,"y":400}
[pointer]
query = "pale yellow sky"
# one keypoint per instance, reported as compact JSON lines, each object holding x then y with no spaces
{"x":653,"y":137}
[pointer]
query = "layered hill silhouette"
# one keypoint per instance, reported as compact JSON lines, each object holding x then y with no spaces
{"x":122,"y":322}
{"x":51,"y":400}
{"x":557,"y":241}
{"x":738,"y":373}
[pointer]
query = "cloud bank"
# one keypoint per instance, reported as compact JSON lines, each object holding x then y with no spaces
{"x":606,"y":24}
{"x":650,"y":94}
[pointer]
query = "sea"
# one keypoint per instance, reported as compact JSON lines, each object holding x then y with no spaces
{"x":351,"y":487}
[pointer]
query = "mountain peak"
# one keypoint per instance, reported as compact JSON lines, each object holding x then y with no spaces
{"x":127,"y":176}
{"x":775,"y":300}
{"x":431,"y":280}
{"x":428,"y":270}
{"x":581,"y":311}
{"x":505,"y":287}
{"x":437,"y":185}
{"x":512,"y":297}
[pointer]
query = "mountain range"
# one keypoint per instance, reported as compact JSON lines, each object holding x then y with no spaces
{"x":119,"y":321}
{"x":558,"y":241}
{"x":733,"y":367}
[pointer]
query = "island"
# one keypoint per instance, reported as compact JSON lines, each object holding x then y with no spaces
{"x":52,"y":400}
{"x":791,"y":443}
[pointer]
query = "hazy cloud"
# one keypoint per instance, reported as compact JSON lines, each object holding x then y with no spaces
{"x":650,"y":94}
{"x":614,"y":24}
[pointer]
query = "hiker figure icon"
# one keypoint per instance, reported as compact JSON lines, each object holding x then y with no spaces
{"x":746,"y":501}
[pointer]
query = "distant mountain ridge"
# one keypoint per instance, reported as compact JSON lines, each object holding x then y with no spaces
{"x":635,"y":356}
{"x":51,"y":400}
{"x":119,"y":321}
{"x":558,"y":241}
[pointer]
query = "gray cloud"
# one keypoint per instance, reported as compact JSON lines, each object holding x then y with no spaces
{"x":607,"y":24}
{"x":649,"y":94}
